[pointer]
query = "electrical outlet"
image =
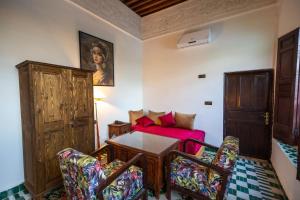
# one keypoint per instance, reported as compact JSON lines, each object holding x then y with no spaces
{"x":208,"y":103}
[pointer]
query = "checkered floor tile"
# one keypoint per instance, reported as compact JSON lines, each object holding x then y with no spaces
{"x":252,"y":179}
{"x":290,"y":151}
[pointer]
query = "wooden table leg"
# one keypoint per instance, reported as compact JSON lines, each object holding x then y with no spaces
{"x":158,"y":179}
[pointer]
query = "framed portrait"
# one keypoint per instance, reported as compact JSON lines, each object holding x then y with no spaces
{"x":97,"y":55}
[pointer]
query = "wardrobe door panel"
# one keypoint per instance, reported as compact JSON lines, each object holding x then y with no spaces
{"x":50,"y":114}
{"x":81,"y":120}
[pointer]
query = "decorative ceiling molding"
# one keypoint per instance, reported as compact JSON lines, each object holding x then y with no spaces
{"x":115,"y":12}
{"x":193,"y":13}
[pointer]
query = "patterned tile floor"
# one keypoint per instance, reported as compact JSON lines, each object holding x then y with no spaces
{"x":251,"y":179}
{"x":290,"y":151}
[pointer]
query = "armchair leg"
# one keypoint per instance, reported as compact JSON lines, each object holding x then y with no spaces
{"x":168,"y":193}
{"x":145,"y":196}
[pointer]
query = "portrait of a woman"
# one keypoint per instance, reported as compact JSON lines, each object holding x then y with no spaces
{"x":97,"y":54}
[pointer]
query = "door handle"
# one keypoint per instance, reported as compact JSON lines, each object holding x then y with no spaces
{"x":267,"y":118}
{"x":71,"y":124}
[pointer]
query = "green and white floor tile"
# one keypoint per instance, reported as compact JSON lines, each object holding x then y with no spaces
{"x":252,"y":179}
{"x":290,"y":151}
{"x":19,"y":193}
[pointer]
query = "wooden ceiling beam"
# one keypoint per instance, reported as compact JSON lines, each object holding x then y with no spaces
{"x":147,"y":10}
{"x":129,"y":3}
{"x":146,"y":4}
{"x":141,"y":3}
{"x":146,"y":7}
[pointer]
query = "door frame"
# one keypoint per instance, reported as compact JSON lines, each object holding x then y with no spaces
{"x":270,"y":104}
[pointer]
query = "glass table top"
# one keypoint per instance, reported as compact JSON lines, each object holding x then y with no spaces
{"x":144,"y":141}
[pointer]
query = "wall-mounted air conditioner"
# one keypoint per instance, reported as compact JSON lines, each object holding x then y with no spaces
{"x":195,"y":38}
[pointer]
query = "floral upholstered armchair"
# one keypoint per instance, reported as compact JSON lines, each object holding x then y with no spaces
{"x":85,"y":177}
{"x":202,"y":176}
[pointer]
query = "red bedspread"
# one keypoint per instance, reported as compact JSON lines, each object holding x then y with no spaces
{"x":178,"y":133}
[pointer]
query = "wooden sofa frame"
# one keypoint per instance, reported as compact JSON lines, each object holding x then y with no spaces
{"x":138,"y":159}
{"x":196,"y":195}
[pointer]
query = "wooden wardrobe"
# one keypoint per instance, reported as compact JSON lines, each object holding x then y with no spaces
{"x":57,"y":112}
{"x":287,"y":95}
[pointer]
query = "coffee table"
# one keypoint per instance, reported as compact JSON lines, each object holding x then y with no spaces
{"x":154,"y":147}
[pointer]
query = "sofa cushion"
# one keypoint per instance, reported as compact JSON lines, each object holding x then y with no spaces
{"x":134,"y":115}
{"x":185,"y":121}
{"x":145,"y":121}
{"x":167,"y":120}
{"x":155,"y":116}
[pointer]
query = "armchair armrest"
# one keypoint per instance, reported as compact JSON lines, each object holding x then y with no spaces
{"x":218,"y":169}
{"x":222,"y":172}
{"x":106,"y":148}
{"x":138,"y":158}
{"x":199,"y":142}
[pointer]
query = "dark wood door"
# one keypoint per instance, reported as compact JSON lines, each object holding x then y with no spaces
{"x":298,"y":165}
{"x":50,"y":105}
{"x":248,"y":111}
{"x":286,"y":112}
{"x":81,"y":112}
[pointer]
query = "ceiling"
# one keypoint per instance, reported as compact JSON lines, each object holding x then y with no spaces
{"x":147,"y":7}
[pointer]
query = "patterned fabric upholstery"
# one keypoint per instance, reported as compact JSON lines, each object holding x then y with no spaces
{"x":227,"y":153}
{"x":110,"y":168}
{"x":207,"y":155}
{"x":127,"y":185}
{"x":82,"y":175}
{"x":189,"y":175}
{"x":225,"y":158}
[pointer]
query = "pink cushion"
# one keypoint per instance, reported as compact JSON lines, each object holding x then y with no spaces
{"x":167,"y":120}
{"x":144,"y":121}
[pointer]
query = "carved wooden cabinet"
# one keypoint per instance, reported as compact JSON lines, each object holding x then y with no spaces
{"x":118,"y":128}
{"x":287,"y":95}
{"x":57,"y":112}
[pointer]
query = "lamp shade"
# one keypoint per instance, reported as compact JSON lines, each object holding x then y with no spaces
{"x":98,"y":95}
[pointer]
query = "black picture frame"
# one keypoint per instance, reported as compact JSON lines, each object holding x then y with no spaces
{"x":98,"y":55}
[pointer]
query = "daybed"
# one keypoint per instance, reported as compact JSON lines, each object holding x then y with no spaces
{"x":179,"y":133}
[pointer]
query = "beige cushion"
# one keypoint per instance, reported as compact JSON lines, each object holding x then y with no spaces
{"x":134,"y":115}
{"x":185,"y":120}
{"x":155,"y":116}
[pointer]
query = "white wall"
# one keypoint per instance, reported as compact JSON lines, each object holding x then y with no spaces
{"x":170,"y":74}
{"x":115,"y":12}
{"x":289,"y":16}
{"x":47,"y":31}
{"x":289,"y":19}
{"x":286,"y":172}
